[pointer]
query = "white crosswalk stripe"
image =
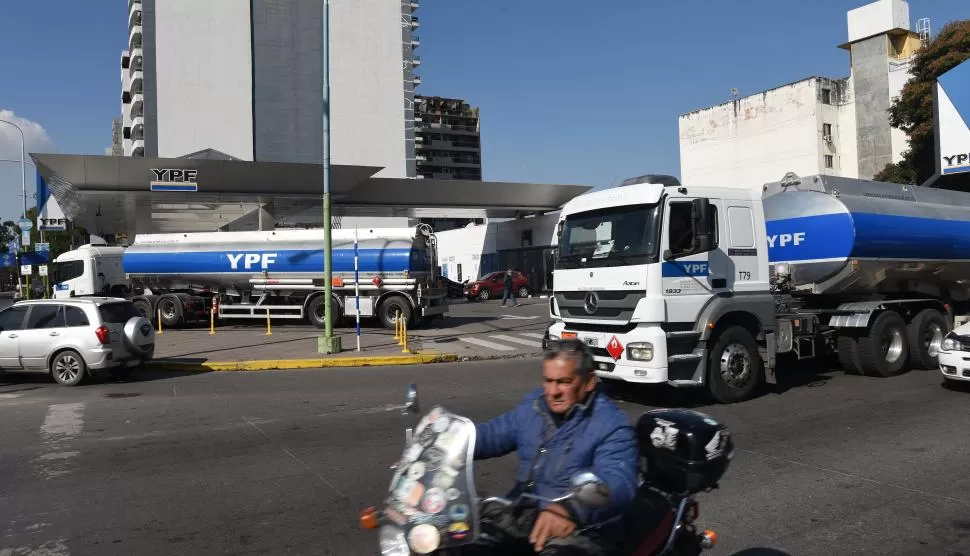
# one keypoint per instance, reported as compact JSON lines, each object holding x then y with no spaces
{"x":536,"y":335}
{"x":486,"y":344}
{"x":514,"y":340}
{"x":9,"y":396}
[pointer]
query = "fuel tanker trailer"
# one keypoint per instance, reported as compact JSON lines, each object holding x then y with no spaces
{"x":244,"y":275}
{"x":704,"y":286}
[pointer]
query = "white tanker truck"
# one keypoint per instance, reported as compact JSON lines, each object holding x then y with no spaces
{"x":704,"y":286}
{"x":249,"y":273}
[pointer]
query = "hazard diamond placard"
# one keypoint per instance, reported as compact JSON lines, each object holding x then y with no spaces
{"x":614,"y":348}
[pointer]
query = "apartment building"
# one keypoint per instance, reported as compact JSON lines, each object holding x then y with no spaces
{"x":447,"y":139}
{"x":244,"y":79}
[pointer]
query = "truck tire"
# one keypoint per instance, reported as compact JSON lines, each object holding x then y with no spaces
{"x":848,"y":351}
{"x":884,"y":349}
{"x":735,"y":370}
{"x":316,"y":312}
{"x":389,"y":308}
{"x":925,"y":334}
{"x":172,"y":310}
{"x":144,"y":309}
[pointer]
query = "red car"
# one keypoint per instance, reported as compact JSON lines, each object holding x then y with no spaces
{"x":492,"y":286}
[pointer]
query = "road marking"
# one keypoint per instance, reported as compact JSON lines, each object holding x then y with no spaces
{"x":487,"y":344}
{"x":535,"y":335}
{"x":518,"y":317}
{"x":514,"y":340}
{"x":9,"y":396}
{"x":63,"y":422}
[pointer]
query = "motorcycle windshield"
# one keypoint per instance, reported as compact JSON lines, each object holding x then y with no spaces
{"x":432,"y":495}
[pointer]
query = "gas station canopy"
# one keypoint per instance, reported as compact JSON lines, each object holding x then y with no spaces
{"x":114,"y":194}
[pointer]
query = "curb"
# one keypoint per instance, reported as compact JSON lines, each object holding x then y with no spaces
{"x":291,"y":364}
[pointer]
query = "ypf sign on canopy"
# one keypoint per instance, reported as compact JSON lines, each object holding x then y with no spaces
{"x":953,"y":120}
{"x":174,"y":179}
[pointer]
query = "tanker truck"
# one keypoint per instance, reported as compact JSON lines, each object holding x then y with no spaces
{"x":705,"y":286}
{"x":243,"y":275}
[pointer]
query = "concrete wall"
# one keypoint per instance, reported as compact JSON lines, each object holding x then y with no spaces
{"x":203,"y":67}
{"x":877,"y":17}
{"x":753,"y":140}
{"x":870,"y":73}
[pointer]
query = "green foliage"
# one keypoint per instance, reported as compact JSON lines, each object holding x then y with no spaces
{"x":913,"y":110}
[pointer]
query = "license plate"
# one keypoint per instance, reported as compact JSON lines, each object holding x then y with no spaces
{"x":592,"y":342}
{"x":568,"y":335}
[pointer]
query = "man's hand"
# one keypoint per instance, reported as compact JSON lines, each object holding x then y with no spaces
{"x":552,"y":522}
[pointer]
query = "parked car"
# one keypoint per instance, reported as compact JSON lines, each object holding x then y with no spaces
{"x":954,"y":355}
{"x":493,"y":285}
{"x":73,"y":338}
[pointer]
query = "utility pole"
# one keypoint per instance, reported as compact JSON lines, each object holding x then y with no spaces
{"x":328,"y":343}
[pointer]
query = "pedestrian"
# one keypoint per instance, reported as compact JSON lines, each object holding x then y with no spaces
{"x":508,"y":291}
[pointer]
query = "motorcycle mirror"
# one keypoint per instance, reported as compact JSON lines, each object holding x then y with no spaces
{"x":412,"y":405}
{"x":590,"y":490}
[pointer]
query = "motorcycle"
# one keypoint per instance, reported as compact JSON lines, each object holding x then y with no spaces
{"x":432,"y":506}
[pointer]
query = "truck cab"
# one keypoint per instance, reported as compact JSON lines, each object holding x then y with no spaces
{"x":88,"y":270}
{"x":667,"y":284}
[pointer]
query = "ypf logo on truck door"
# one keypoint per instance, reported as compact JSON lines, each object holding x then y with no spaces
{"x":247,"y":261}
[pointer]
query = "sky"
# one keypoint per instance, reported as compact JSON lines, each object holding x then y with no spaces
{"x":570,"y":91}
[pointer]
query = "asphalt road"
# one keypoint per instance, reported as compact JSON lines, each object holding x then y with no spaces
{"x":280,"y":462}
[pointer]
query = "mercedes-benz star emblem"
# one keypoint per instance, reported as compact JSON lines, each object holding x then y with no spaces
{"x":590,"y":303}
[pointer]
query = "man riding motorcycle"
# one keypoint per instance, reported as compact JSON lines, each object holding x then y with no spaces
{"x":566,"y":427}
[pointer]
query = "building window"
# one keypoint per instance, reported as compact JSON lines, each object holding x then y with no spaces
{"x":829,"y":161}
{"x":826,"y":96}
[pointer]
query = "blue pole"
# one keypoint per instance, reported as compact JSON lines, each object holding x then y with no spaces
{"x":357,"y":288}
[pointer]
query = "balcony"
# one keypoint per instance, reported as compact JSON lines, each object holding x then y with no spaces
{"x":135,"y":63}
{"x":417,"y":80}
{"x":414,"y":4}
{"x":415,"y":61}
{"x":136,"y":82}
{"x":415,"y":41}
{"x":138,"y":147}
{"x":138,"y":127}
{"x":134,"y":38}
{"x":137,"y":106}
{"x":415,"y":23}
{"x":134,"y":15}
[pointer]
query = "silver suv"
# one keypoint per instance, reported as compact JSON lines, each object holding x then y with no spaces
{"x":72,"y":338}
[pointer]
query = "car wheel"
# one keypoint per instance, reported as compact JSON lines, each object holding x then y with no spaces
{"x":484,"y":294}
{"x":523,"y":292}
{"x":68,"y":368}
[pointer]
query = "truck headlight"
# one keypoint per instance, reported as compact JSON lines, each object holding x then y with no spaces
{"x":639,"y":351}
{"x":951,"y":344}
{"x":393,"y":542}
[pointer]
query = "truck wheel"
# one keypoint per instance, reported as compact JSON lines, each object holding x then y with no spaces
{"x":735,"y":369}
{"x":144,"y":309}
{"x":925,"y":334}
{"x":171,"y":309}
{"x":316,"y":312}
{"x":884,"y":351}
{"x":849,"y":354}
{"x":389,"y":309}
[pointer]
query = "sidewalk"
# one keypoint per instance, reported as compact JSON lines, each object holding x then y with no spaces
{"x":250,"y":349}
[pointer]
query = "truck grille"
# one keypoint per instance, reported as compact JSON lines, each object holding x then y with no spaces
{"x":599,"y":305}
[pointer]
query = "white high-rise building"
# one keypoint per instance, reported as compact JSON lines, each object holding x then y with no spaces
{"x":244,"y":79}
{"x":815,"y":126}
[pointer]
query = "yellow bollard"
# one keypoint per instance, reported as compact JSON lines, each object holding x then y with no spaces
{"x":397,"y":327}
{"x":269,"y":329}
{"x":404,"y":337}
{"x":212,"y":322}
{"x":159,"y":321}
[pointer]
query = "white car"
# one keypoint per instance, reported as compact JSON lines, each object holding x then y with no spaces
{"x":72,"y":338}
{"x":954,"y":355}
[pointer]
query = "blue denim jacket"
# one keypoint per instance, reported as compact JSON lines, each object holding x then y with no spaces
{"x":595,"y":436}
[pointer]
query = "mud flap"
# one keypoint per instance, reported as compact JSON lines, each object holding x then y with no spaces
{"x":769,"y":358}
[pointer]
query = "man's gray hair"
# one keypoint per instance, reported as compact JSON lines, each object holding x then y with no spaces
{"x":574,"y":349}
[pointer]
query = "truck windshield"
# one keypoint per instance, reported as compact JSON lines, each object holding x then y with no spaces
{"x":613,"y":236}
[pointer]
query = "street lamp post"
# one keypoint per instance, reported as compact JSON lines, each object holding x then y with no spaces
{"x":328,"y":343}
{"x":23,"y":181}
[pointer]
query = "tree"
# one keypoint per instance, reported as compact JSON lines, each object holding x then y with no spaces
{"x":912,"y":111}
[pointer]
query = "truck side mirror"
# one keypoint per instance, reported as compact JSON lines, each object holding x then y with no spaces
{"x":702,"y":224}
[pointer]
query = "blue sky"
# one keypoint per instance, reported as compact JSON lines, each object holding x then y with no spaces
{"x":570,"y":91}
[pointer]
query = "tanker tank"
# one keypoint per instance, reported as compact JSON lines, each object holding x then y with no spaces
{"x":846,"y":237}
{"x":232,"y":259}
